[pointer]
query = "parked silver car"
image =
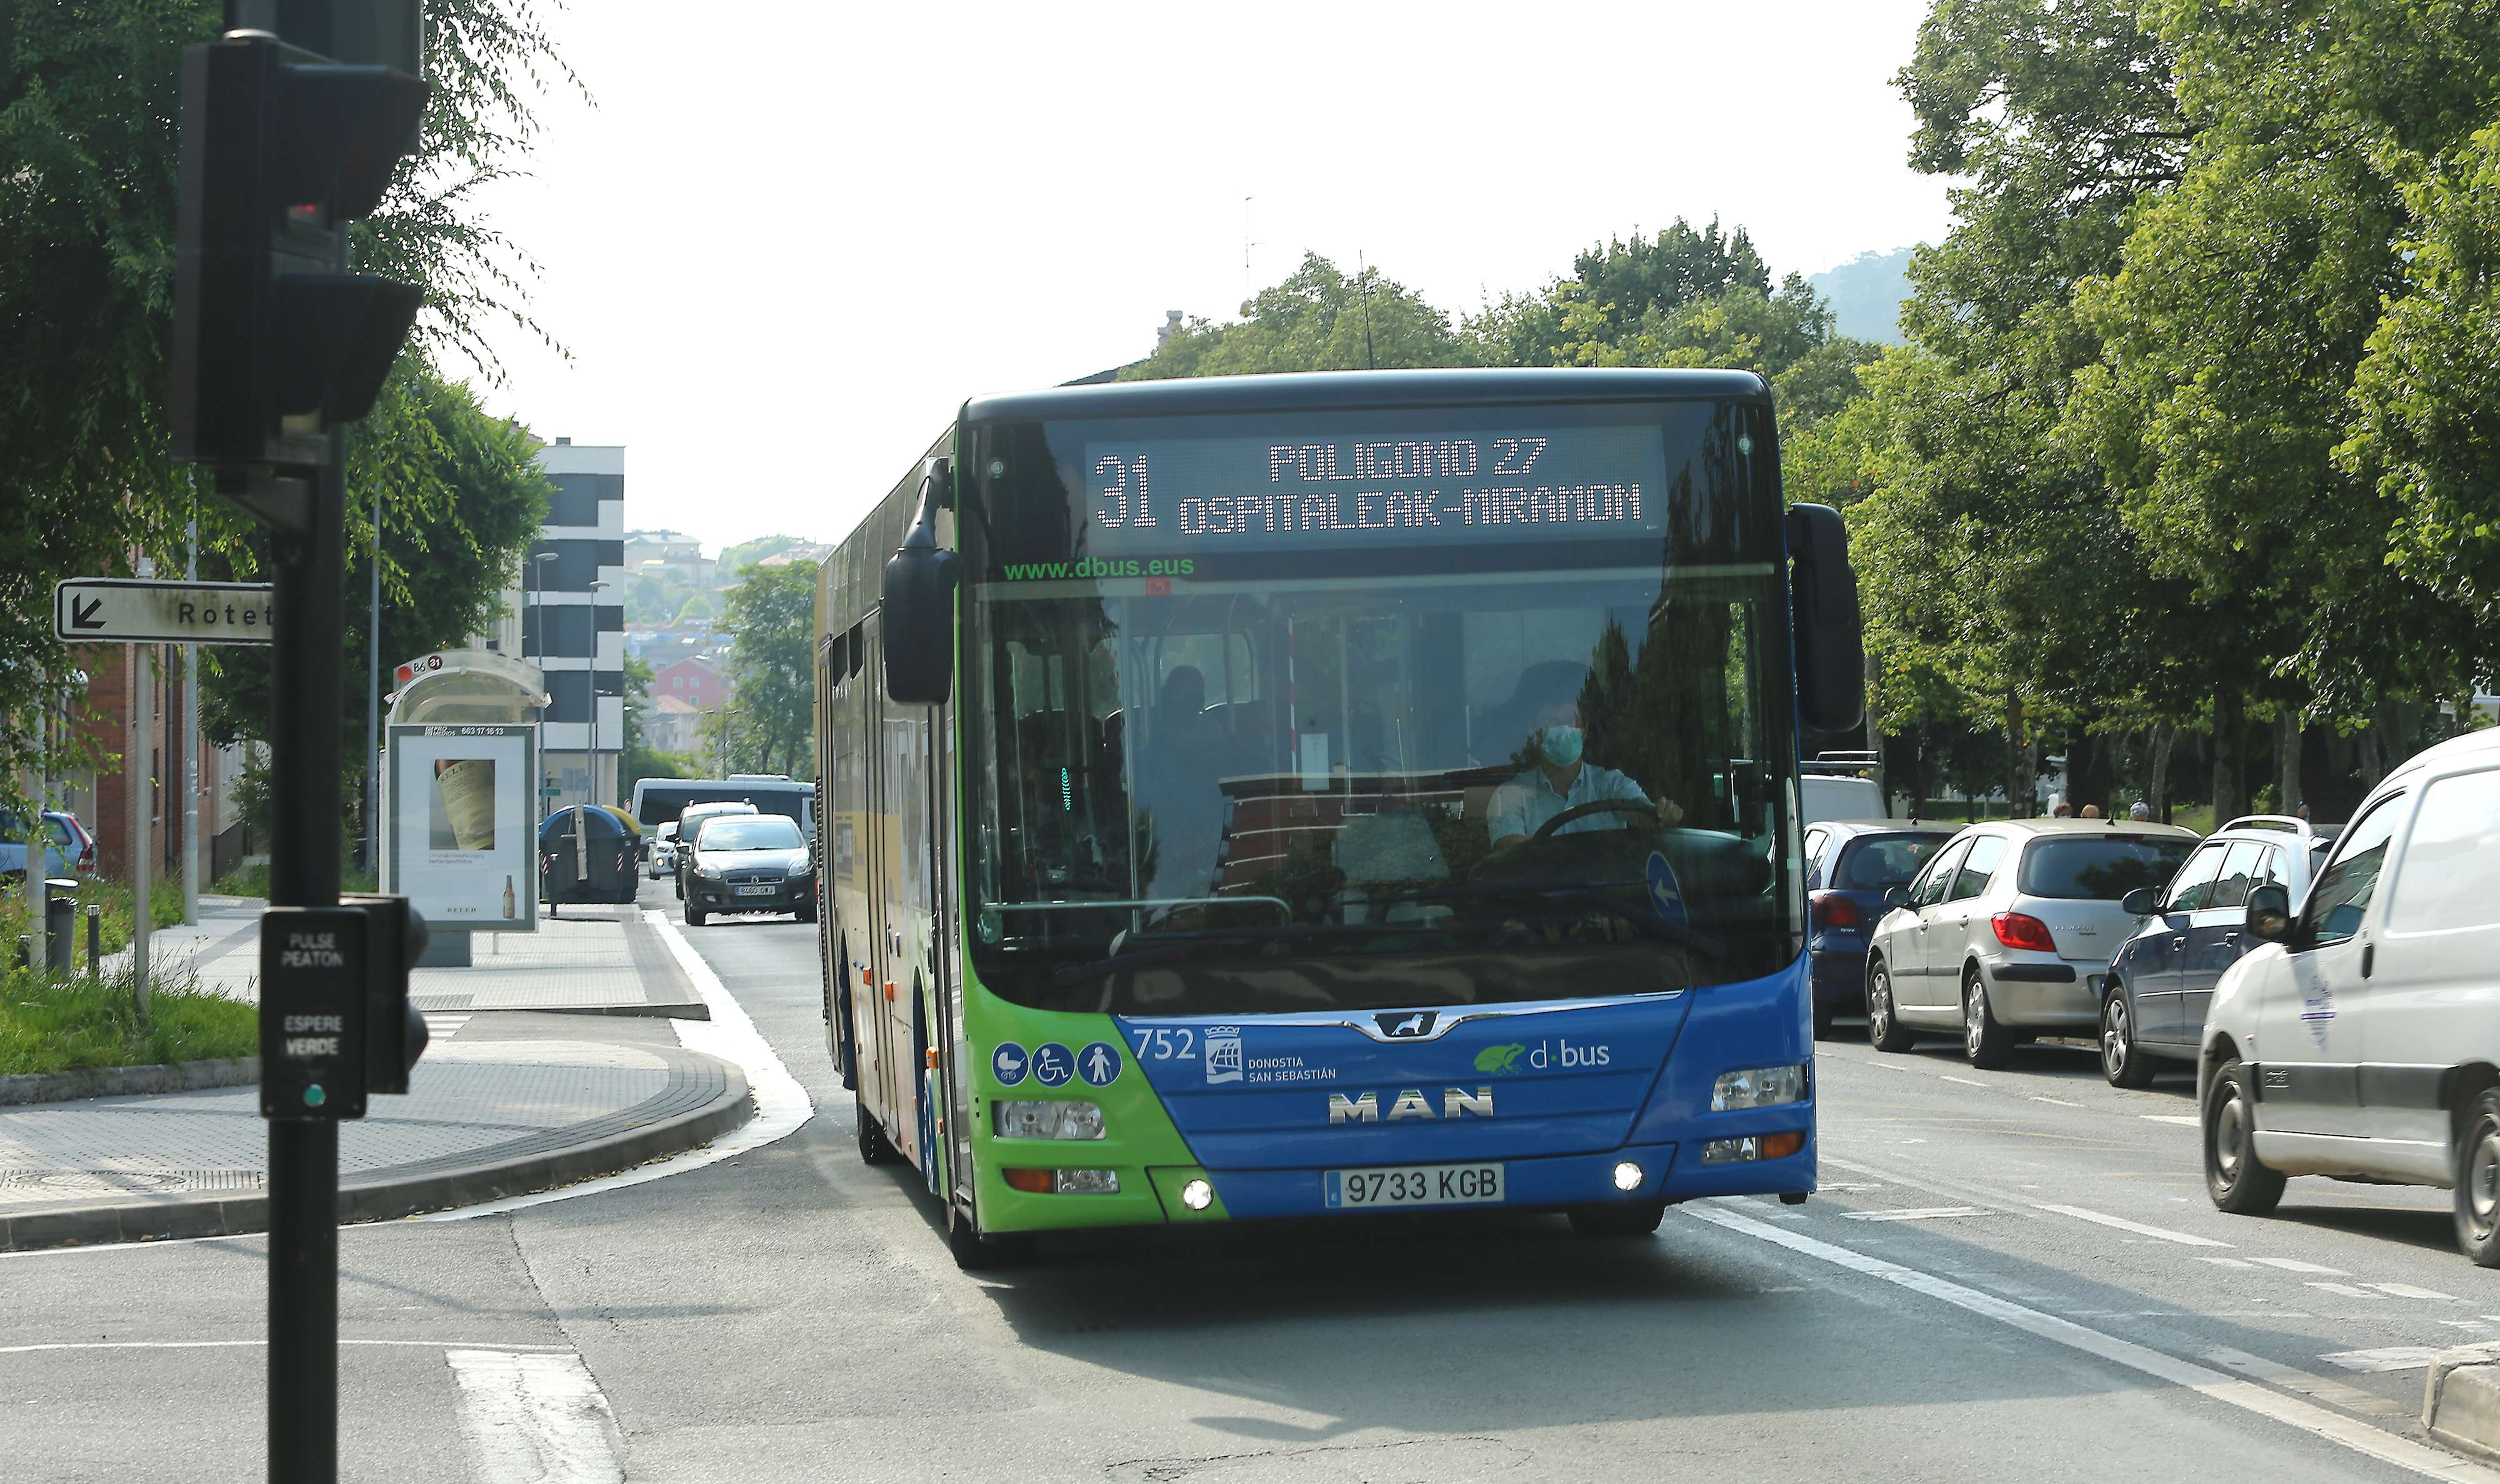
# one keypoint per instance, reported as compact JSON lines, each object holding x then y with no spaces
{"x":2007,"y":933}
{"x":664,"y":851}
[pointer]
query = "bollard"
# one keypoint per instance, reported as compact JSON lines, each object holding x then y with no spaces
{"x":25,"y":950}
{"x":60,"y":915}
{"x":94,"y":941}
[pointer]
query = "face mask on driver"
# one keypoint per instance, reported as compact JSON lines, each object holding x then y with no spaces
{"x":1560,"y":745}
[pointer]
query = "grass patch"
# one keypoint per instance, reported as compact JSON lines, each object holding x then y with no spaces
{"x":115,"y":898}
{"x":52,"y":1024}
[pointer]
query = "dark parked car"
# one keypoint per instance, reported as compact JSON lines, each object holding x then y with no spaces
{"x":2162,"y":976}
{"x":1849,"y":866}
{"x":750,"y":862}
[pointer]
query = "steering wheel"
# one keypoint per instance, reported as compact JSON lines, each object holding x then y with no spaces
{"x":1622,"y":806}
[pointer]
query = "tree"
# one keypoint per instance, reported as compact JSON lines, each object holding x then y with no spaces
{"x":1318,"y":319}
{"x":769,"y":727}
{"x":88,"y":112}
{"x":640,"y":760}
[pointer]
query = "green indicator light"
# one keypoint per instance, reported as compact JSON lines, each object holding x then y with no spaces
{"x":315,"y":1097}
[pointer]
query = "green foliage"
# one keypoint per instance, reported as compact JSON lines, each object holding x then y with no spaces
{"x":53,"y":1024}
{"x":89,"y":116}
{"x":1866,"y":295}
{"x":745,"y":554}
{"x":770,"y":723}
{"x":1318,"y":319}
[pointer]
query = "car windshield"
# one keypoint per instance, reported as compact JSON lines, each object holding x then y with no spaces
{"x":1881,"y":862}
{"x":1256,"y":777}
{"x":761,"y":832}
{"x":2100,"y":868}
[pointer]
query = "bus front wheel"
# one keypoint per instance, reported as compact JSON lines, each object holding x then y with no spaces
{"x":973,"y":1252}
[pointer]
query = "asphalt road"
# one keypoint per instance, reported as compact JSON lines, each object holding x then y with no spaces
{"x":2009,"y":1273}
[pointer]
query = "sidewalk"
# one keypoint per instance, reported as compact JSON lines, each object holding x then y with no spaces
{"x":509,"y":1099}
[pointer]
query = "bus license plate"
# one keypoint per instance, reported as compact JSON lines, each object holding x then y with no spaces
{"x":766,"y":889}
{"x":1412,"y":1186}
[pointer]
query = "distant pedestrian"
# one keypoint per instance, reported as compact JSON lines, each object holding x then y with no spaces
{"x":2303,"y":813}
{"x":2092,"y":811}
{"x":2139,"y":811}
{"x":2058,"y":808}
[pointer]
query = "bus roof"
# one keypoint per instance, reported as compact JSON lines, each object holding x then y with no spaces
{"x":1301,"y":389}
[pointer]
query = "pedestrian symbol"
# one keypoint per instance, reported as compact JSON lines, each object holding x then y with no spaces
{"x":1052,"y":1066}
{"x":1098,"y":1064}
{"x":1009,"y":1064}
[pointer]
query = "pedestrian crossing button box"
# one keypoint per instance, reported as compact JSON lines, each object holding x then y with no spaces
{"x":313,"y":998}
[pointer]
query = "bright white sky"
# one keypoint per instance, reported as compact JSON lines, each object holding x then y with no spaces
{"x":792,"y":236}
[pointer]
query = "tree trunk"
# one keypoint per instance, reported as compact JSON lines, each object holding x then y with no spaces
{"x":2287,"y":759}
{"x":2017,"y":759}
{"x":2158,"y":792}
{"x":2230,"y":781}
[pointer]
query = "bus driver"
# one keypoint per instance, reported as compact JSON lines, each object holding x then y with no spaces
{"x":1560,"y":778}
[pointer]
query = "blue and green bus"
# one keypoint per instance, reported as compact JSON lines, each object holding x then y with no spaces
{"x":1312,"y":795}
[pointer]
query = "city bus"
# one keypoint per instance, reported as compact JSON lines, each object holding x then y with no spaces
{"x":1323,"y":794}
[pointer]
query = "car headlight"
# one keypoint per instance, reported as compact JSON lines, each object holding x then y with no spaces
{"x":1055,"y":1119}
{"x":1758,"y":1088}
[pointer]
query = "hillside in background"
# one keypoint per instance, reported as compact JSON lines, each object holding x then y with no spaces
{"x":1866,"y":294}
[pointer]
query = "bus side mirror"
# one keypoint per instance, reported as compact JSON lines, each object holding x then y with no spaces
{"x":2269,"y":913}
{"x":1823,"y":618}
{"x":919,"y":606}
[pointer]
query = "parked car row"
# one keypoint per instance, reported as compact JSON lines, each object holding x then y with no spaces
{"x":2337,"y":991}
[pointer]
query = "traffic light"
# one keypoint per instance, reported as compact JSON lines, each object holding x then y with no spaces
{"x":395,"y":1033}
{"x":336,"y":1022}
{"x":274,"y":343}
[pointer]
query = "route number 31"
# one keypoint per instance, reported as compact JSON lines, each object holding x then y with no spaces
{"x":1122,"y":502}
{"x":1166,"y":1044}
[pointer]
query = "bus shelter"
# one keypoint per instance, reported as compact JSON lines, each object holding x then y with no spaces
{"x":459,"y":804}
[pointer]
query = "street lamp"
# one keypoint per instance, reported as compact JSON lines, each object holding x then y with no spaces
{"x":590,"y":757}
{"x":533,"y":646}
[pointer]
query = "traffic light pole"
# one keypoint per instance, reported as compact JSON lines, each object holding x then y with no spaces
{"x":306,"y":700}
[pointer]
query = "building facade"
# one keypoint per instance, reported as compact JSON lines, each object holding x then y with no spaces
{"x":565,"y":612}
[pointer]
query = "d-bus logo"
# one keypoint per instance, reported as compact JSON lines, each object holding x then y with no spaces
{"x":1365,"y":1108}
{"x":1406,"y":1024}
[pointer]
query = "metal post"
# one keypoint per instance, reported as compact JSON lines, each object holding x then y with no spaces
{"x":37,"y":895}
{"x":191,"y":752}
{"x":94,"y":941}
{"x":143,"y":843}
{"x":371,"y":814}
{"x":307,"y":688}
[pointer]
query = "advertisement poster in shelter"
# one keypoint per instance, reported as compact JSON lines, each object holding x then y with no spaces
{"x":462,"y":844}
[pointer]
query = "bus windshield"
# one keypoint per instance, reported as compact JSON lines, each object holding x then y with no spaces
{"x":1342,"y":766}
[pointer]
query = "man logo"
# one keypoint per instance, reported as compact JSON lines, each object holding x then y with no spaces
{"x":1365,"y":1108}
{"x":1406,"y":1025}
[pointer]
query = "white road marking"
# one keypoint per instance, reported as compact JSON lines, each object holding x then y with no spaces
{"x":2228,"y":1262}
{"x":2179,"y":1118}
{"x":2103,"y":1219}
{"x":2295,"y":1265}
{"x":2346,"y":1289}
{"x":245,"y":1344}
{"x":2060,"y":1102}
{"x":781,"y":1105}
{"x":1918,"y":1214}
{"x":2249,"y":1396}
{"x":1965,"y":1081}
{"x":441,"y":1026}
{"x":2408,"y":1291}
{"x":2399,"y":1357}
{"x":2353,"y":1398}
{"x":539,"y":1418}
{"x":1826,"y":1187}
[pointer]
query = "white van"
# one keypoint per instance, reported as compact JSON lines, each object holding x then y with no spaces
{"x":2362,"y":1038}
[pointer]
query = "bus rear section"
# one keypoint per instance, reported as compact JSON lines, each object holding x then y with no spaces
{"x":1345,"y":808}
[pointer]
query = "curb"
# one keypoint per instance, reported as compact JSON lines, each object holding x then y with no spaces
{"x":383,"y":1198}
{"x":128,"y":1082}
{"x":2461,"y":1402}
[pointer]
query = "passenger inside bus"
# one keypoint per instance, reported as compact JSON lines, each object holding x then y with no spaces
{"x":1559,"y":779}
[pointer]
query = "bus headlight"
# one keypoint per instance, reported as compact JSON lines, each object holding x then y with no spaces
{"x":1758,"y":1088}
{"x":1055,"y":1119}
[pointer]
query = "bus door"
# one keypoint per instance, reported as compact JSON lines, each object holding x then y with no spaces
{"x":870,"y":948}
{"x":903,"y":898}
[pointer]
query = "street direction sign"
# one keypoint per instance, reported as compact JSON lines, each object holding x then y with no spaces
{"x":124,"y":610}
